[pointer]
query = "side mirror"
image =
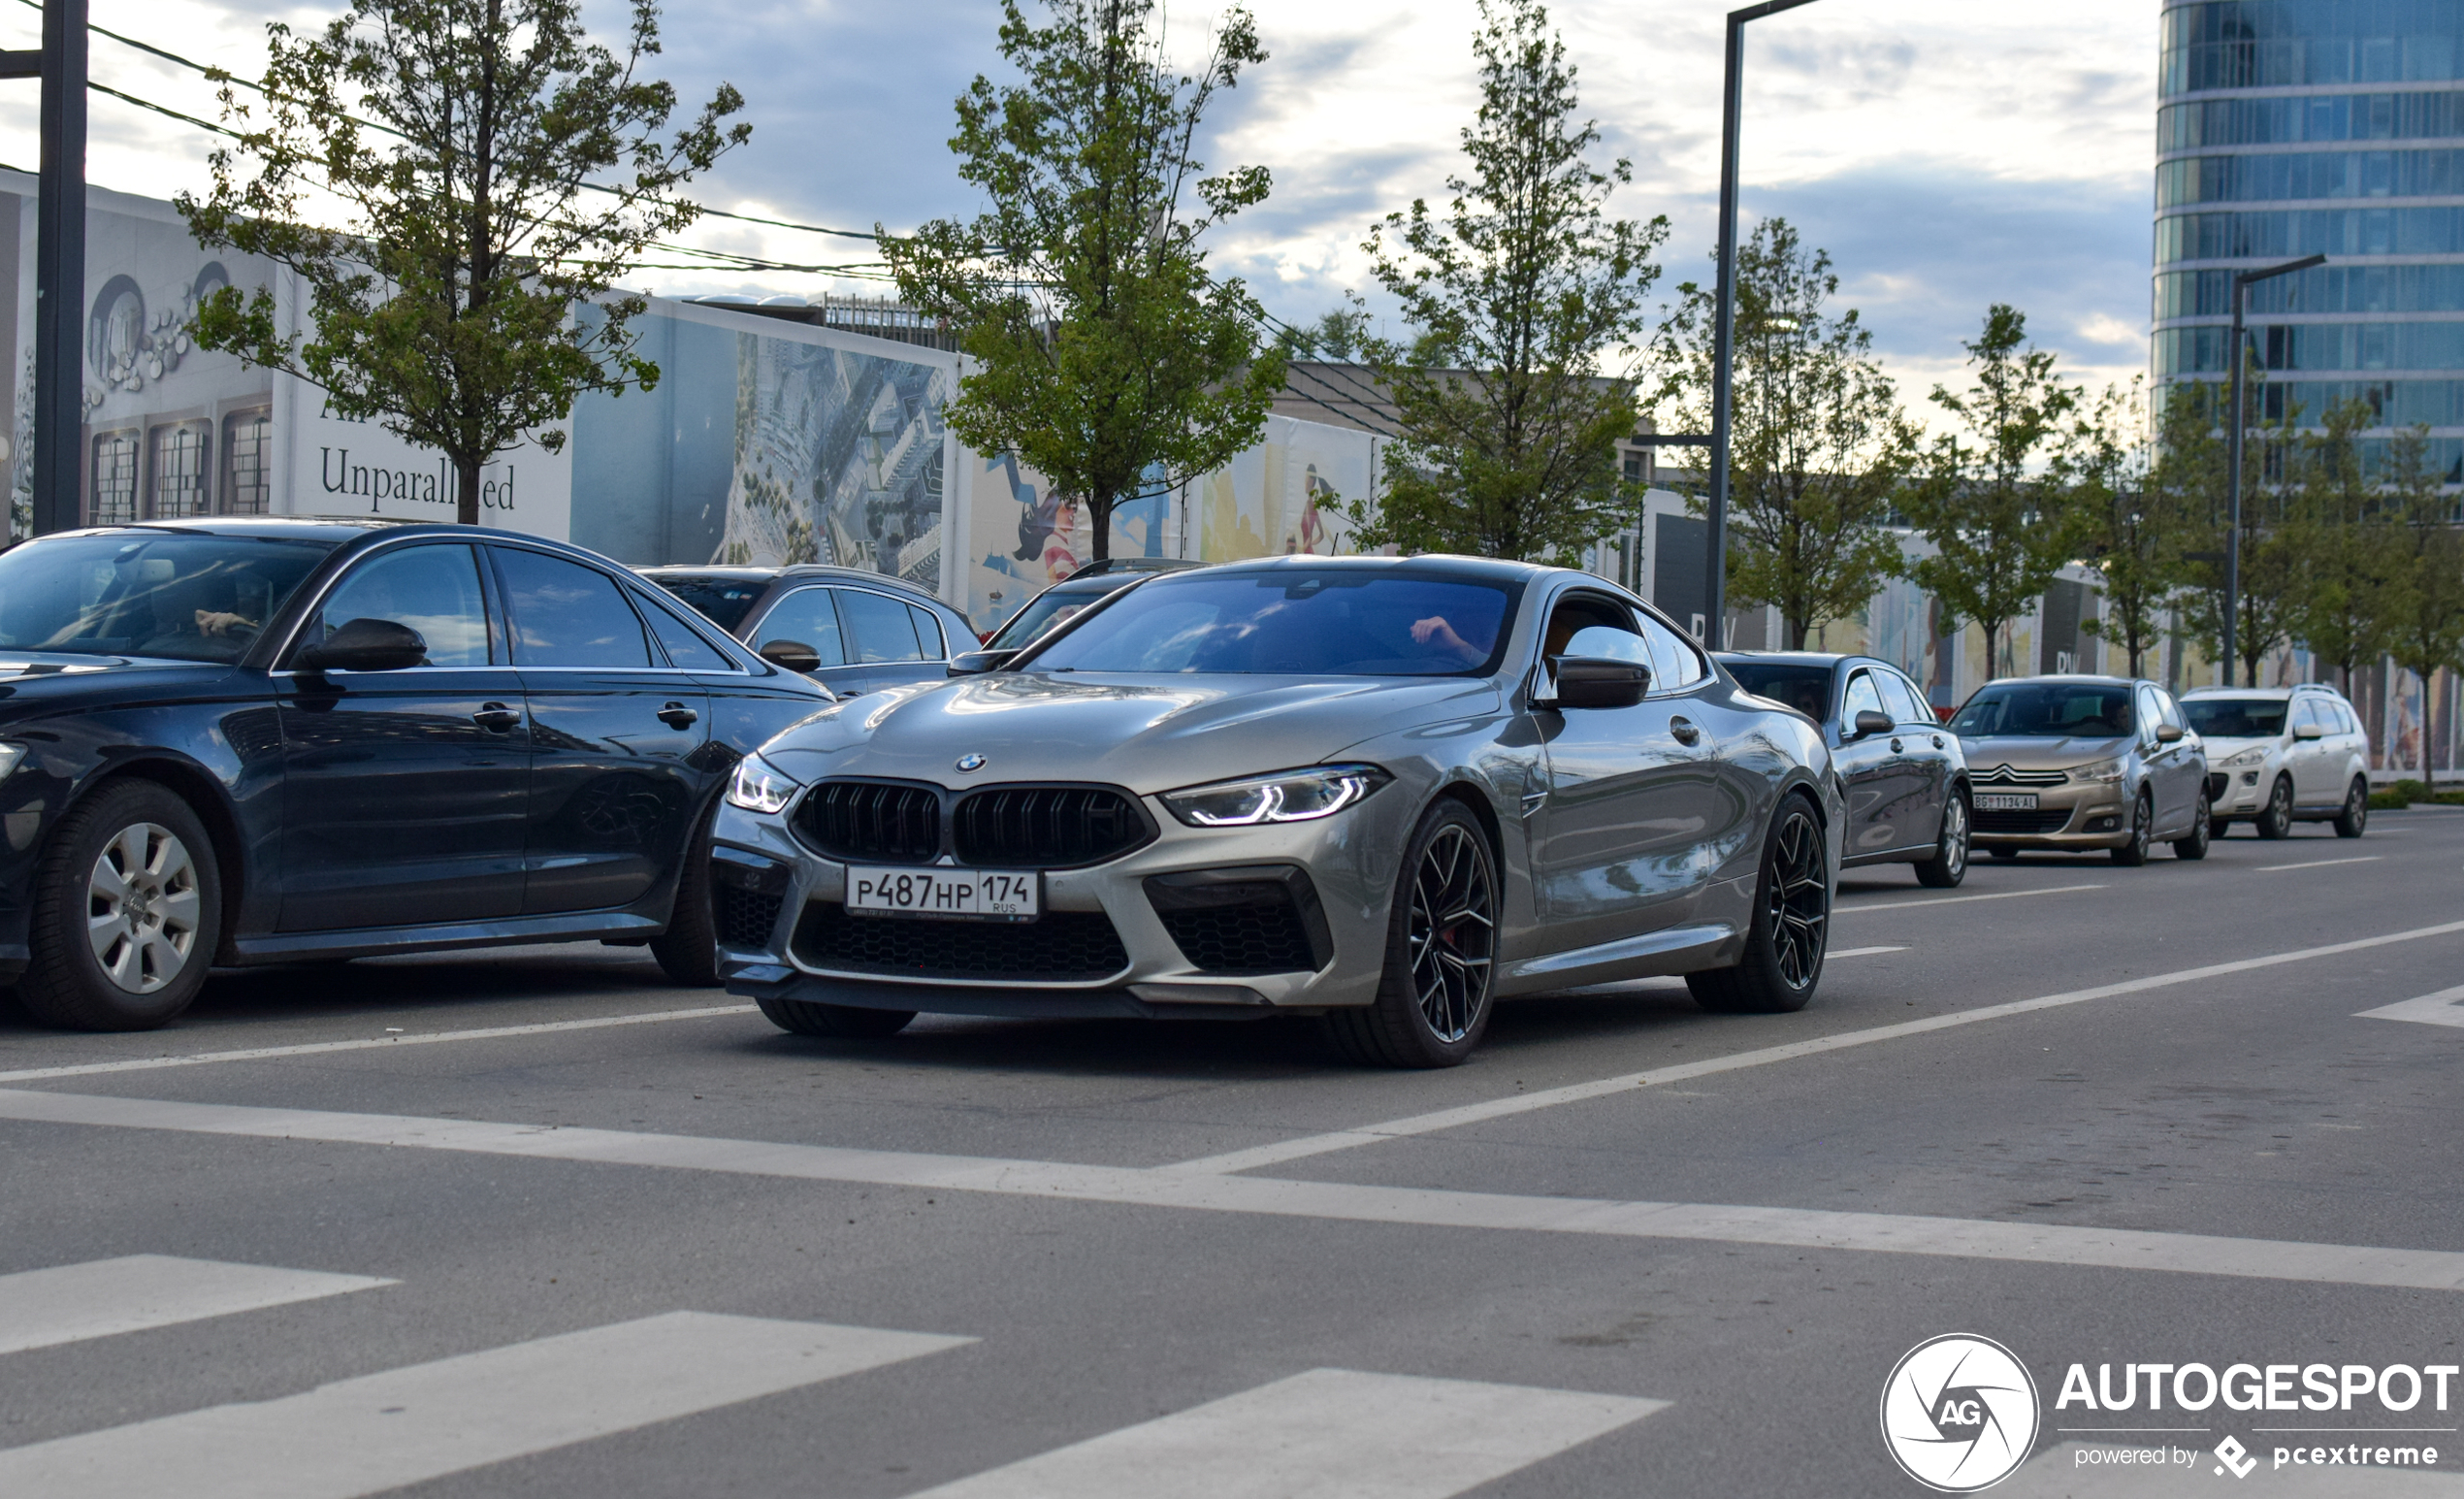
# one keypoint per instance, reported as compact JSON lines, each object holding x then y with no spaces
{"x":2168,"y":733}
{"x":1597,"y":682}
{"x":792,"y":655}
{"x":977,"y":663}
{"x":365,"y":645}
{"x":1869,"y":723}
{"x":2309,"y":732}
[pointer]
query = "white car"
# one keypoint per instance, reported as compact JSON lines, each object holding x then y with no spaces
{"x":2277,"y":755}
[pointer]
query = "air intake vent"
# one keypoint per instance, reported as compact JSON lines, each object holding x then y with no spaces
{"x":1046,"y":827}
{"x":873,"y":822}
{"x":1060,"y":947}
{"x":2021,"y":822}
{"x":746,"y":918}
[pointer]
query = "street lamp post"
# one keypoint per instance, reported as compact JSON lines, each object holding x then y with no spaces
{"x":2241,"y":280}
{"x":1724,"y":324}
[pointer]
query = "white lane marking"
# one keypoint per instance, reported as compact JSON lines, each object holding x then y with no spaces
{"x":1577,"y":1092}
{"x":2318,"y":863}
{"x":2000,"y":895}
{"x":100,"y":1297}
{"x":368,"y":1043}
{"x":2443,"y":1008}
{"x":1170,"y":1187}
{"x":2058,"y":1473}
{"x":1865,"y":952}
{"x":382,"y":1432}
{"x":1327,"y":1434}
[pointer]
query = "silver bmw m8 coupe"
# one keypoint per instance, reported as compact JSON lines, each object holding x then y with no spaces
{"x":1386,"y":791}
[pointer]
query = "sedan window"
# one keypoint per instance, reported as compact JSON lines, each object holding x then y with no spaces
{"x":434,"y":590}
{"x":878,"y":628}
{"x":927,"y":633}
{"x":1863,"y":698}
{"x":1902,"y":700}
{"x":806,"y":617}
{"x":1676,"y":664}
{"x":182,"y":595}
{"x":684,"y":644}
{"x":568,"y":615}
{"x":723,"y":600}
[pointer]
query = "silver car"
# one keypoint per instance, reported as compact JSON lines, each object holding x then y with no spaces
{"x":1385,"y":791}
{"x":2077,"y":764}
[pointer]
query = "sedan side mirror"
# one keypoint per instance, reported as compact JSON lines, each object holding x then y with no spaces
{"x":1597,"y":682}
{"x":365,"y":645}
{"x":1869,"y":723}
{"x":792,"y":655}
{"x":2168,"y":733}
{"x":977,"y":663}
{"x":2309,"y":732}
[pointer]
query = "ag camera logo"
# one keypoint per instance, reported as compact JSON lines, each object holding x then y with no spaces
{"x":1958,"y":1413}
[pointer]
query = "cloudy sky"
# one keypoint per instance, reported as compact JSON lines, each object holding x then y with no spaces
{"x":1949,"y":153}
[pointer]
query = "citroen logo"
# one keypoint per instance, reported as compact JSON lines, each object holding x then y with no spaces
{"x":970,"y":762}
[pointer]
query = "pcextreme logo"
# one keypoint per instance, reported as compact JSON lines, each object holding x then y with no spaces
{"x":1958,"y":1413}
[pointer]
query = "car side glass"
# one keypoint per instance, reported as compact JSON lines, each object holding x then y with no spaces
{"x":1675,"y":664}
{"x":432,"y":589}
{"x":1902,"y":702}
{"x":563,"y":614}
{"x":2150,"y":715}
{"x":808,"y":617}
{"x":1863,"y":698}
{"x":878,"y":628}
{"x":684,"y":644}
{"x":929,"y":633}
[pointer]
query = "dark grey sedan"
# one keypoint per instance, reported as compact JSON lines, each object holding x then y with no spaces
{"x":1906,"y":779}
{"x":851,"y":630}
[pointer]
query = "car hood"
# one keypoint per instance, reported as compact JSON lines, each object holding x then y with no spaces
{"x":2026,"y":752}
{"x":1149,"y":734}
{"x":2221,"y":749}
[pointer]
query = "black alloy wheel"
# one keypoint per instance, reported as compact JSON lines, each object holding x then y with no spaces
{"x":1433,"y":1004}
{"x":2275,"y":820}
{"x":1791,"y":927}
{"x":1949,"y":864}
{"x":2193,"y":845}
{"x":2355,"y":820}
{"x":2133,"y":854}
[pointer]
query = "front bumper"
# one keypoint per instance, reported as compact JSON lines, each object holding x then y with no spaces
{"x":2087,"y":816}
{"x":1337,"y":874}
{"x":2238,"y":795}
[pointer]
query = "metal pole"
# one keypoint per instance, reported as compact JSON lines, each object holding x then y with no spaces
{"x":1724,"y":325}
{"x":59,"y":273}
{"x":2241,"y":281}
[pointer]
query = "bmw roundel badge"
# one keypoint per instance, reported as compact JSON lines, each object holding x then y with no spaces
{"x":970,"y":762}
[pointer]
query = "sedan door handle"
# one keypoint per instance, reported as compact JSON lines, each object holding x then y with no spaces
{"x":1937,"y":742}
{"x":1685,"y":731}
{"x":1898,"y":748}
{"x":497,"y":718}
{"x":676,"y":715}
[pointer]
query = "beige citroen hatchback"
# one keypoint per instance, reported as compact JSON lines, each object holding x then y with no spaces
{"x":2077,"y":764}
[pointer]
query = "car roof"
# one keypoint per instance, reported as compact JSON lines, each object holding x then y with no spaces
{"x":1485,"y":569}
{"x":739,"y":572}
{"x":292,"y":527}
{"x":2085,"y":678}
{"x":2261,"y":692}
{"x":1797,"y":658}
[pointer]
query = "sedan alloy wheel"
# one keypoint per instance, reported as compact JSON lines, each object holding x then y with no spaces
{"x":1452,"y":933}
{"x":141,"y":908}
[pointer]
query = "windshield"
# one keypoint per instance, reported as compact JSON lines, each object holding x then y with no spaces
{"x":1336,"y":622}
{"x":722,"y":600}
{"x":2237,"y":718}
{"x":1051,"y":607}
{"x":134,"y":593}
{"x":2052,"y":710}
{"x":1807,"y":689}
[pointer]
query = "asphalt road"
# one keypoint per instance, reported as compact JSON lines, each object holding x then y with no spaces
{"x":532,"y":1223}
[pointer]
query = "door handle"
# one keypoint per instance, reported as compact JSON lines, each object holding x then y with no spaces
{"x":1898,"y":748}
{"x":496,"y":717}
{"x":1937,"y":742}
{"x":1685,"y":731}
{"x":676,"y":715}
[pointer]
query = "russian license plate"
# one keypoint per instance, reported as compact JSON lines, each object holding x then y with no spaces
{"x":946,"y":895}
{"x":2006,"y":801}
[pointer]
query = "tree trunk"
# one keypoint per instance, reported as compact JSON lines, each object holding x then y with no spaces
{"x":1099,"y":520}
{"x":465,"y":505}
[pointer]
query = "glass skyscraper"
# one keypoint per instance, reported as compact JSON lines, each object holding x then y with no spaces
{"x":2291,"y":127}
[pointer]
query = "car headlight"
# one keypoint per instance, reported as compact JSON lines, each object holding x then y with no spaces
{"x":1286,"y":797}
{"x":2248,"y":756}
{"x":759,"y":786}
{"x":2106,"y":771}
{"x":11,"y":756}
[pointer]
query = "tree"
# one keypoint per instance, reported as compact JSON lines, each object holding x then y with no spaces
{"x":1342,"y":334}
{"x":1820,"y":447}
{"x":2349,"y":548}
{"x":1520,"y":292}
{"x":2132,"y":528}
{"x":2425,"y":624}
{"x":425,"y":167}
{"x":2266,"y":604}
{"x":1103,"y":353}
{"x":2001,"y":526}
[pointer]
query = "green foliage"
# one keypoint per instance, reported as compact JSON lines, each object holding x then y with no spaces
{"x":420,"y":164}
{"x":2348,"y":547}
{"x":2426,"y":603}
{"x":1820,"y":447}
{"x":2268,"y":606}
{"x":1103,"y":354}
{"x":2131,"y":526}
{"x":1998,"y":514}
{"x":1341,"y":336}
{"x":1519,"y":293}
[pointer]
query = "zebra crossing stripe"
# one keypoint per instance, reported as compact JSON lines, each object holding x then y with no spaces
{"x":100,"y":1297}
{"x":1327,"y":1434}
{"x":381,"y":1431}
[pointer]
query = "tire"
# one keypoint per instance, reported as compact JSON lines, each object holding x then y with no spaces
{"x":808,"y":1017}
{"x":112,"y":952}
{"x":2276,"y":819}
{"x":1790,"y":932}
{"x":688,"y":951}
{"x":1949,"y":864}
{"x":2193,"y":845}
{"x":1436,"y":993}
{"x":2355,"y":820}
{"x":2133,"y":854}
{"x":2218,"y":826}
